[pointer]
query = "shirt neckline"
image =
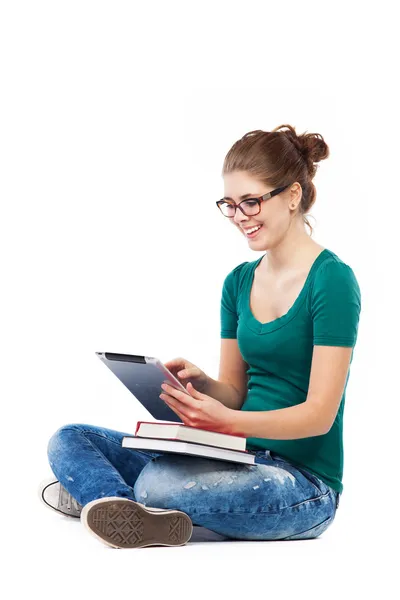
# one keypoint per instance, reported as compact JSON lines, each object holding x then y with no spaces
{"x":254,"y":324}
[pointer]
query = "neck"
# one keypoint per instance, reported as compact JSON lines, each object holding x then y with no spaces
{"x":291,"y":253}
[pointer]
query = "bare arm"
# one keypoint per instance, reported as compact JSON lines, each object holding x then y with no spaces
{"x":292,"y":423}
{"x":225,"y":393}
{"x":231,"y":387}
{"x":315,"y":416}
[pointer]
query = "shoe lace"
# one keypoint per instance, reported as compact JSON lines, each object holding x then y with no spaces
{"x":65,"y":500}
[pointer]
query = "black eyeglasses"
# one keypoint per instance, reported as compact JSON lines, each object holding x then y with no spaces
{"x":249,"y":207}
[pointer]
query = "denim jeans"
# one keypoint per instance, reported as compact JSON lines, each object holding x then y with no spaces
{"x":271,"y":500}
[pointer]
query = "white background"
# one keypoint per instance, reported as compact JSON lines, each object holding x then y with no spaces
{"x":115,"y":120}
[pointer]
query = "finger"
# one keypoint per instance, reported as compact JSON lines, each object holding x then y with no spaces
{"x":184,"y":373}
{"x":171,"y":365}
{"x":184,"y":409}
{"x":172,"y":404}
{"x":194,"y":393}
{"x":175,"y":362}
{"x":186,"y":399}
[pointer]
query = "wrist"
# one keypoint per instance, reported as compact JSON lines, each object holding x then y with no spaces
{"x":235,"y":423}
{"x":207,"y":385}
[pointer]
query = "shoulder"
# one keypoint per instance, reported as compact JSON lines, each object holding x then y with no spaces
{"x":334,"y":269}
{"x":335,"y":305}
{"x":234,"y":280}
{"x":335,"y":279}
{"x":239,"y":270}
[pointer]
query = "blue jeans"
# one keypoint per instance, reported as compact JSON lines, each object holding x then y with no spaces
{"x":271,"y":500}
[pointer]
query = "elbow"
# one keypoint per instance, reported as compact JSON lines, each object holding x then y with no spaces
{"x":324,"y":429}
{"x":321,"y":426}
{"x":322,"y":422}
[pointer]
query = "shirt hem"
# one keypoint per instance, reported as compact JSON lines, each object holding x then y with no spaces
{"x":331,"y":340}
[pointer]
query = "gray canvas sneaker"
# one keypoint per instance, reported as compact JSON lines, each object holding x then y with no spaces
{"x":56,"y":497}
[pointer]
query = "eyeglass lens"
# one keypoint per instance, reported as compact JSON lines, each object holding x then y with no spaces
{"x":250,"y":207}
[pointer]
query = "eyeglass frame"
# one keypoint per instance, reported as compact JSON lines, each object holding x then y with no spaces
{"x":259,"y":199}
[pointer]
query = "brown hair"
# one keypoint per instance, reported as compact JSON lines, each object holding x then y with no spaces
{"x":278,"y":158}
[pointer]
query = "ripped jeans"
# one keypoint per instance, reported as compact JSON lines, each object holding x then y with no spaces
{"x":271,"y":500}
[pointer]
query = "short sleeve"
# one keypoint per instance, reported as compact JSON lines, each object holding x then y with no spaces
{"x":229,"y":316}
{"x":335,"y":305}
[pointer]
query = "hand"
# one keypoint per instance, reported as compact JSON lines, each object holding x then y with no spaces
{"x":199,"y":410}
{"x":186,"y":371}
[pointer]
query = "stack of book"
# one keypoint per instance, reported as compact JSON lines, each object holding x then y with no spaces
{"x":159,"y":436}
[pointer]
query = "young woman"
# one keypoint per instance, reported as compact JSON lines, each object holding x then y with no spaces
{"x":289,"y":324}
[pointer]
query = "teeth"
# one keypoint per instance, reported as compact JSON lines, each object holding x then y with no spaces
{"x":251,"y":230}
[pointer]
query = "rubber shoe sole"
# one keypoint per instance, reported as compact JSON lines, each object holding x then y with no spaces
{"x":123,"y":523}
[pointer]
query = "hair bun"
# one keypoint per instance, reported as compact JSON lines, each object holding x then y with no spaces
{"x":311,"y":146}
{"x":314,"y":146}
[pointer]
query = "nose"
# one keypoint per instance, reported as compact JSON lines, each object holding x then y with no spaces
{"x":239,"y":217}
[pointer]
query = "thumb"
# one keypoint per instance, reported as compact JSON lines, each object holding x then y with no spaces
{"x":192,"y":390}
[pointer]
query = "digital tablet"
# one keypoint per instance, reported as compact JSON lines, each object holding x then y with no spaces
{"x":143,"y":376}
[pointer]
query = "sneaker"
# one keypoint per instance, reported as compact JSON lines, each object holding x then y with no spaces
{"x":123,"y":523}
{"x":56,"y":497}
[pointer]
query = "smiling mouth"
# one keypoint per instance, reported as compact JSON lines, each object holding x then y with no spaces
{"x":254,"y":231}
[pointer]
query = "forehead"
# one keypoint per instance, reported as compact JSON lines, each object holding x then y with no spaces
{"x":238,"y":183}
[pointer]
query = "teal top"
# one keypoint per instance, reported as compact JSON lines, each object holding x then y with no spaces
{"x":279,"y":353}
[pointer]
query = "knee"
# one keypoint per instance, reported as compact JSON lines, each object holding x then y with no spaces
{"x":145,"y":484}
{"x":56,"y":440}
{"x":161,"y":482}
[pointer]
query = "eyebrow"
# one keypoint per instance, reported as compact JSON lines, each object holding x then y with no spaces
{"x":242,"y":197}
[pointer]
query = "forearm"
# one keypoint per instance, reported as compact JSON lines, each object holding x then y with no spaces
{"x":294,"y":422}
{"x":224,"y":393}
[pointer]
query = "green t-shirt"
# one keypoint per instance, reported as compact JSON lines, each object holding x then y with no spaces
{"x":279,"y":353}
